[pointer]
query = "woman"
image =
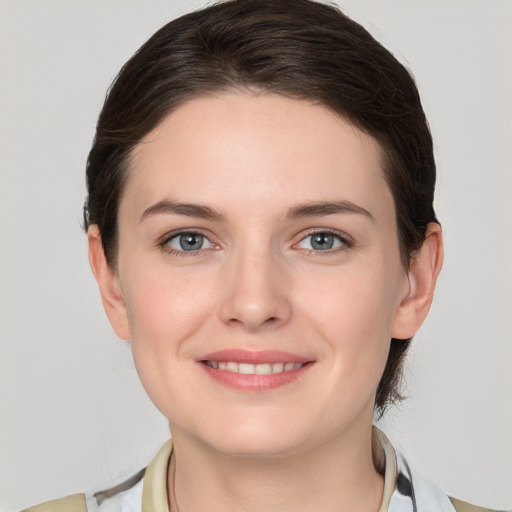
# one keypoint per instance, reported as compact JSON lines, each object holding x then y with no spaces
{"x":261,"y":229}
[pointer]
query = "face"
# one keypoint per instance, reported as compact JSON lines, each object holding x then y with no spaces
{"x":259,"y":274}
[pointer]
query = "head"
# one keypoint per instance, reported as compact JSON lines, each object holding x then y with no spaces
{"x":298,"y":49}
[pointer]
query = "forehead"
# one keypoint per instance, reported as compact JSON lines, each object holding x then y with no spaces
{"x":234,"y":147}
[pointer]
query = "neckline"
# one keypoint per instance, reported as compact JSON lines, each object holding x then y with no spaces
{"x":154,"y":493}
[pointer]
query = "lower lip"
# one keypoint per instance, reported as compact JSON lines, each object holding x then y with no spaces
{"x":255,"y":382}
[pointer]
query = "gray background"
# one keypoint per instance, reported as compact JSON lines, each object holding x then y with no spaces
{"x":73,"y":415}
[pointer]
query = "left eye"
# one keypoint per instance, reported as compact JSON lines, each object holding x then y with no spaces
{"x":189,"y":242}
{"x":321,"y":241}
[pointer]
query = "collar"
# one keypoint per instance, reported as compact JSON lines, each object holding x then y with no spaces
{"x":390,"y":472}
{"x":397,"y":479}
{"x":154,"y":492}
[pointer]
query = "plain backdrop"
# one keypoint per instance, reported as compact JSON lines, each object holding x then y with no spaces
{"x":73,"y":414}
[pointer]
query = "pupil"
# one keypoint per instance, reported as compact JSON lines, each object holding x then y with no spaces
{"x":191,"y":241}
{"x":322,"y":241}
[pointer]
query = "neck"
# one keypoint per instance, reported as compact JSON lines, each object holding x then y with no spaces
{"x":337,"y":476}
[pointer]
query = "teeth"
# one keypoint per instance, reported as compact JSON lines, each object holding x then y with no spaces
{"x":277,"y":367}
{"x":233,"y":367}
{"x":254,"y":369}
{"x":246,"y":369}
{"x":263,"y":369}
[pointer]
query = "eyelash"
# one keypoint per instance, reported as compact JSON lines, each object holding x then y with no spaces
{"x":345,"y":242}
{"x":164,"y":243}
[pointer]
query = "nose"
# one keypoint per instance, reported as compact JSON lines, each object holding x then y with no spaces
{"x":255,"y":293}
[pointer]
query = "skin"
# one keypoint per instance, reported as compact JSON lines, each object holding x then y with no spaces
{"x":257,"y":283}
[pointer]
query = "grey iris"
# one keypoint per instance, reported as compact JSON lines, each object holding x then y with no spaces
{"x":322,"y":241}
{"x":191,"y":241}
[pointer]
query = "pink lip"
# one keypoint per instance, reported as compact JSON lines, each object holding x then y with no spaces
{"x":254,"y":357}
{"x":243,"y":382}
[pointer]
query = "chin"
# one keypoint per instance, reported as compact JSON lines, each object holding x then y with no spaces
{"x":256,"y":445}
{"x":263,"y":437}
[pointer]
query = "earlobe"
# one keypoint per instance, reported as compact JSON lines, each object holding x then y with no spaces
{"x":422,"y":274}
{"x":108,"y":283}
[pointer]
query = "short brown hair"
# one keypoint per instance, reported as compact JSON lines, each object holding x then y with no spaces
{"x":298,"y":48}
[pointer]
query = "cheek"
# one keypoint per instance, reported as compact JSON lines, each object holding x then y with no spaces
{"x":165,"y":307}
{"x":165,"y":310}
{"x":353,"y":311}
{"x":361,"y":298}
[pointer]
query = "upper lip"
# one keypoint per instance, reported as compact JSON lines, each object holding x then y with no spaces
{"x":254,"y":356}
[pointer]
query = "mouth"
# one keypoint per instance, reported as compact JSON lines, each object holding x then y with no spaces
{"x":253,"y":369}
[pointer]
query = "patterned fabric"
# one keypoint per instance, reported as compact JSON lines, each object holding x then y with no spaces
{"x":404,"y":489}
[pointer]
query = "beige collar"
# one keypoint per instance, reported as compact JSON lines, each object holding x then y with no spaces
{"x":154,"y":493}
{"x":390,"y":473}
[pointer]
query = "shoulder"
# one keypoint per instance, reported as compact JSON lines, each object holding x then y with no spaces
{"x":462,"y":506}
{"x":127,"y":496}
{"x":121,"y":497}
{"x":412,"y":491}
{"x":73,"y":503}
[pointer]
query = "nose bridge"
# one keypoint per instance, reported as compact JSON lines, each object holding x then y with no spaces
{"x":255,"y":294}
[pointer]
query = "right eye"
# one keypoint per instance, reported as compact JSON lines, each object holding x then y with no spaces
{"x":188,"y":242}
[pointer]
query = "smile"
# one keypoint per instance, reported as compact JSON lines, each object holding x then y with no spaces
{"x":253,"y":369}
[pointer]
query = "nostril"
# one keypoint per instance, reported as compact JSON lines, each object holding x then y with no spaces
{"x":270,"y":321}
{"x":239,"y":310}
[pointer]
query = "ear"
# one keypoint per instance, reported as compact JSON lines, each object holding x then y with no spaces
{"x":424,"y":269}
{"x":108,"y":283}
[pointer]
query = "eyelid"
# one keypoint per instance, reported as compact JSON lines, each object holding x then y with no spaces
{"x":347,"y":241}
{"x":163,"y":241}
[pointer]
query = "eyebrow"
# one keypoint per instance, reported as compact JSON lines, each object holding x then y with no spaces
{"x":188,"y":209}
{"x":314,"y":209}
{"x":320,"y":209}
